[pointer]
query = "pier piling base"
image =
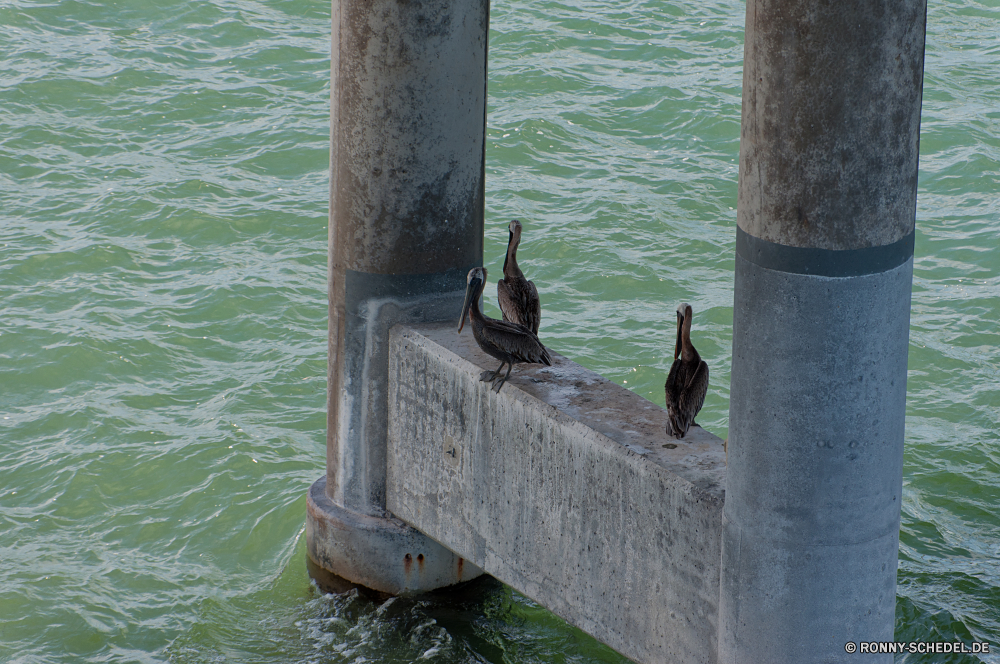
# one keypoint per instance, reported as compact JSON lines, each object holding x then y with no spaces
{"x":382,"y":554}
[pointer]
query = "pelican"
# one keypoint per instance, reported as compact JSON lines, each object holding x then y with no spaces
{"x":507,"y":342}
{"x":687,"y":382}
{"x":518,"y":296}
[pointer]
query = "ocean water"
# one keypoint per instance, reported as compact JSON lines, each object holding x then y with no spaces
{"x":163,"y":201}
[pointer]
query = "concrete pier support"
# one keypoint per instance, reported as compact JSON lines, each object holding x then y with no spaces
{"x":827,"y":197}
{"x":564,"y":486}
{"x":407,"y":133}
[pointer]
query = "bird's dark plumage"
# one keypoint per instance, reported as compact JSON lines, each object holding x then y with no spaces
{"x":508,"y":342}
{"x":687,"y":382}
{"x":518,"y":297}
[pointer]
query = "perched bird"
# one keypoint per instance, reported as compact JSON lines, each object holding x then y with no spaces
{"x":687,"y":381}
{"x":507,"y":342}
{"x":518,"y":296}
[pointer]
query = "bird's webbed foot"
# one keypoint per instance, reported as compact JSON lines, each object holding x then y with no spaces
{"x":491,"y":376}
{"x":498,"y":383}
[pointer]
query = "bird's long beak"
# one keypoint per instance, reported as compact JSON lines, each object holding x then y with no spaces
{"x":471,"y":292}
{"x":680,"y":325}
{"x":506,"y":256}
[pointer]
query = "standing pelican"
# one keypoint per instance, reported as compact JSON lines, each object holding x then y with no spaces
{"x":687,"y":382}
{"x":508,"y":342}
{"x":518,"y":296}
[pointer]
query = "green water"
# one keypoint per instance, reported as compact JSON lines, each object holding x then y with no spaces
{"x":163,"y":188}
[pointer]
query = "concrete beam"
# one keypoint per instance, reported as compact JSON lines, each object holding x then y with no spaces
{"x":565,"y":487}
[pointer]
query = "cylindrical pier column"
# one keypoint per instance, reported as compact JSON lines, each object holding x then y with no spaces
{"x":407,"y":141}
{"x":824,"y":258}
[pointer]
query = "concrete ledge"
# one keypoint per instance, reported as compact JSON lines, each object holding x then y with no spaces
{"x":562,"y":487}
{"x":382,"y":554}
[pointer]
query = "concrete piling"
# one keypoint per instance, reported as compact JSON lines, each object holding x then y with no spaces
{"x":824,"y":257}
{"x":408,"y":115}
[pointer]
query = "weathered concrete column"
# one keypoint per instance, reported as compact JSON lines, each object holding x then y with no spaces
{"x":407,"y":140}
{"x":824,"y":249}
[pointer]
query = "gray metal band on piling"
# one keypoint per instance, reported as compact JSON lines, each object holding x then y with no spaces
{"x":824,"y":247}
{"x":823,"y":262}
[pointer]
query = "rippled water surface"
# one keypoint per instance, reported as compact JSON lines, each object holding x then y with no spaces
{"x":163,"y":188}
